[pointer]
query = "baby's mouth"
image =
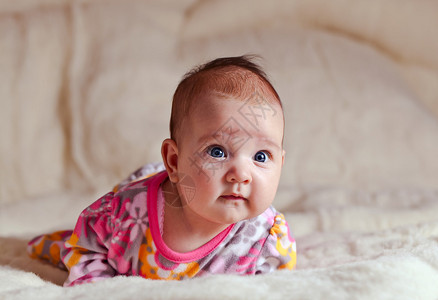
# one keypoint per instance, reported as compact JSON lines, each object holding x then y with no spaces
{"x":234,"y":197}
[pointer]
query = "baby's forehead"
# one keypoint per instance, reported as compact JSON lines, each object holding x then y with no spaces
{"x":223,"y":112}
{"x":259,"y":103}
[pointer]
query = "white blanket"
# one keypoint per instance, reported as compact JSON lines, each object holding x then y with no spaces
{"x":86,"y":92}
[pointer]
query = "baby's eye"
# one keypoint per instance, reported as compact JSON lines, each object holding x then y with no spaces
{"x":216,"y":151}
{"x":261,"y":156}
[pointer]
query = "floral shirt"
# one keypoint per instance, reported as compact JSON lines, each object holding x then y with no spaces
{"x":120,"y":234}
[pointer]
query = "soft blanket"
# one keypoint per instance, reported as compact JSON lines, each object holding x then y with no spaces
{"x":86,"y":89}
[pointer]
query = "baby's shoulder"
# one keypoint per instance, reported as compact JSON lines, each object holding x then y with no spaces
{"x":267,"y":217}
{"x":258,"y":226}
{"x":132,"y":187}
{"x":134,"y":195}
{"x":116,"y":203}
{"x":131,"y":190}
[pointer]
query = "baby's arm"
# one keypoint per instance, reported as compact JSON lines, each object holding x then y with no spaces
{"x":279,"y":250}
{"x":86,"y":252}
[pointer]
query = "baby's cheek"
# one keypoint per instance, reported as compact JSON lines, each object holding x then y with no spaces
{"x":264,"y":196}
{"x":213,"y":170}
{"x":201,"y":169}
{"x":209,"y":170}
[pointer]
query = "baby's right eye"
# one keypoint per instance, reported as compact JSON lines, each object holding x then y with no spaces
{"x":216,"y":152}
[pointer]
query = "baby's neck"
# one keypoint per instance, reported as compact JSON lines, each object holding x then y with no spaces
{"x":183,"y":230}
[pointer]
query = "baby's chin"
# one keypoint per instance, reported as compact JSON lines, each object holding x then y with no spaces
{"x":233,"y":218}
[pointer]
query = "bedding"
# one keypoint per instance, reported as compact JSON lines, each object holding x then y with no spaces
{"x":86,"y":94}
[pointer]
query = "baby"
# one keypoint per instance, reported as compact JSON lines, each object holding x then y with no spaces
{"x":209,"y":211}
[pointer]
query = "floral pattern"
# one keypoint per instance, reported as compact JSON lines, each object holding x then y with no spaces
{"x":118,"y":235}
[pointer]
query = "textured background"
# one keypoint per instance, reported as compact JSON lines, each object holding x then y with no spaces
{"x":86,"y":88}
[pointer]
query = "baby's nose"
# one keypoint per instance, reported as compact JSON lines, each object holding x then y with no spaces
{"x":239,"y":172}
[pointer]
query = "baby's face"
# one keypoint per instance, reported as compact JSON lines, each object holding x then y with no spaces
{"x":232,"y":152}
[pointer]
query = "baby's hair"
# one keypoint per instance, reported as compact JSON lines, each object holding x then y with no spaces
{"x":238,"y":77}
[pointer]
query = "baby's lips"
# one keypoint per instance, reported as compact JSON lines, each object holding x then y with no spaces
{"x":234,"y":197}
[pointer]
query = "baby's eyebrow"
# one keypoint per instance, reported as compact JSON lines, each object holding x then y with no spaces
{"x":270,"y":142}
{"x":218,"y":137}
{"x":207,"y":138}
{"x":223,"y":135}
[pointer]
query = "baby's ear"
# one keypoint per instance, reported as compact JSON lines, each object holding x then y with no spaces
{"x":169,"y":152}
{"x":283,"y":154}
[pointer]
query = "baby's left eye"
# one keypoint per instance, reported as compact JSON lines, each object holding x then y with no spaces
{"x":261,"y":156}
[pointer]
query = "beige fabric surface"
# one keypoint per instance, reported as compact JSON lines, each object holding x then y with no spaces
{"x":86,"y":89}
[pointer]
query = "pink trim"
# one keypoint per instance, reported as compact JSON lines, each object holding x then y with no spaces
{"x":160,"y":209}
{"x":162,"y":248}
